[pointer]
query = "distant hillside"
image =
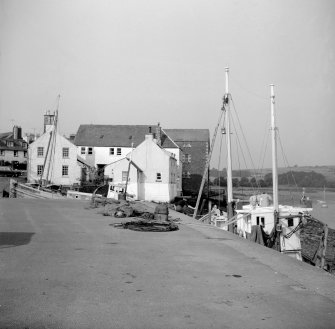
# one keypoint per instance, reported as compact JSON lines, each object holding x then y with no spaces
{"x":316,"y":176}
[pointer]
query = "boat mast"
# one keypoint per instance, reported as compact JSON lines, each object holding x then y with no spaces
{"x":274,"y":153}
{"x":226,"y":102}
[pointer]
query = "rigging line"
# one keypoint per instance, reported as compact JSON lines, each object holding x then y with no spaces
{"x":219,"y":164}
{"x":285,"y":159}
{"x":245,"y":140}
{"x":220,"y":152}
{"x":238,"y":156}
{"x":208,"y":162}
{"x":266,"y":146}
{"x":265,"y":136}
{"x":238,"y":140}
{"x":247,"y":90}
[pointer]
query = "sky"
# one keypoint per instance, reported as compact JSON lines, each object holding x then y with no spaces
{"x":144,"y":62}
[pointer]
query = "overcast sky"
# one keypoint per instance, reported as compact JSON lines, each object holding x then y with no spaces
{"x":143,"y":62}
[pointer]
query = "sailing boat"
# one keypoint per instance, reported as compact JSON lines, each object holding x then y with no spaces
{"x":279,"y":221}
{"x":323,"y":202}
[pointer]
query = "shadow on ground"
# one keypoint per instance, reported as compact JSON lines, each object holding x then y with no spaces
{"x":14,"y":239}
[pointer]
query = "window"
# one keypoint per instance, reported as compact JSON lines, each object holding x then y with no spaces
{"x":124,"y":176}
{"x":25,"y":154}
{"x":40,"y":151}
{"x":158,"y":177}
{"x":186,"y":158}
{"x":10,"y":144}
{"x":16,"y":153}
{"x":186,"y":174}
{"x":261,"y":222}
{"x":187,"y":145}
{"x":2,"y":152}
{"x":290,"y":222}
{"x":65,"y":170}
{"x":118,"y":151}
{"x":111,"y":151}
{"x":90,"y":150}
{"x":65,"y":152}
{"x":39,"y":170}
{"x":83,"y":150}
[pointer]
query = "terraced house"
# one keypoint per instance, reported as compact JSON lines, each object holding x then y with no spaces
{"x":13,"y":149}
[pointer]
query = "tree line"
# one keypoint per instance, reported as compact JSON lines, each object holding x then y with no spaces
{"x":299,"y":178}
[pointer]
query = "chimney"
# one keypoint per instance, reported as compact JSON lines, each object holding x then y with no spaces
{"x":159,"y":134}
{"x":49,"y":121}
{"x":15,"y":132}
{"x":19,"y":133}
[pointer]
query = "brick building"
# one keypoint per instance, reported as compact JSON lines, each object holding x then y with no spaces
{"x":195,"y":145}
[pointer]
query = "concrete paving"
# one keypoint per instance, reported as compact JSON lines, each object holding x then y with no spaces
{"x":64,"y":266}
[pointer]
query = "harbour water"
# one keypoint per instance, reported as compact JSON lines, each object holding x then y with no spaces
{"x":325,"y":215}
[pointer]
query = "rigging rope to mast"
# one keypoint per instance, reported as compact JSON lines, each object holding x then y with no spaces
{"x":246,"y":145}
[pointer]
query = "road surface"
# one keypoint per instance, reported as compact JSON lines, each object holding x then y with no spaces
{"x":64,"y":266}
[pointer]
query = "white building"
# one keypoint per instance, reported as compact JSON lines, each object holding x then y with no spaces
{"x":152,"y":172}
{"x":13,"y":148}
{"x":100,"y":145}
{"x":55,"y":158}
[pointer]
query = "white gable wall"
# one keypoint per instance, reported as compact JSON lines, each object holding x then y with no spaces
{"x":55,"y":170}
{"x":115,"y":170}
{"x":152,"y":160}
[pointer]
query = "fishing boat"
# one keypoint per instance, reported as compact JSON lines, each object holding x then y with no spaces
{"x":263,"y":219}
{"x":279,"y":222}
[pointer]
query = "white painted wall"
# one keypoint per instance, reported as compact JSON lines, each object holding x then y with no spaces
{"x":151,"y":159}
{"x":177,"y":154}
{"x":74,"y":172}
{"x":101,"y":155}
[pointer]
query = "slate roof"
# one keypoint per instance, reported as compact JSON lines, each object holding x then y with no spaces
{"x":116,"y":135}
{"x":188,"y":135}
{"x":17,"y":143}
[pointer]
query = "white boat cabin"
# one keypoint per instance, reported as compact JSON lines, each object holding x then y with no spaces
{"x":289,"y":219}
{"x":118,"y":192}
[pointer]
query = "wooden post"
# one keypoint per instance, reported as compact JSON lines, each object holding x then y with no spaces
{"x":202,"y":206}
{"x":324,"y":247}
{"x":12,"y":188}
{"x":209,"y":211}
